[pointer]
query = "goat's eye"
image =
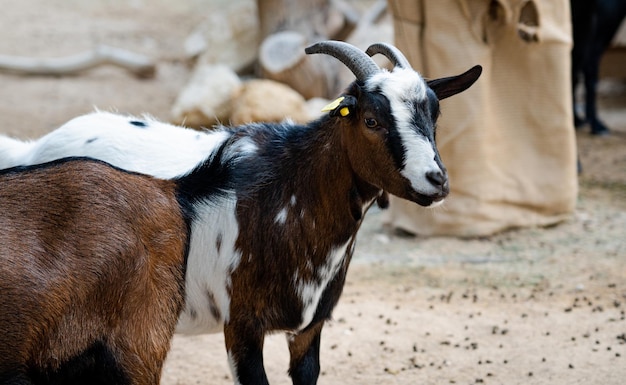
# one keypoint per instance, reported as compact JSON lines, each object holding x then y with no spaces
{"x":370,"y":122}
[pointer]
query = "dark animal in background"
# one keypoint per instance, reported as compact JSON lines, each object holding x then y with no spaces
{"x":594,"y":24}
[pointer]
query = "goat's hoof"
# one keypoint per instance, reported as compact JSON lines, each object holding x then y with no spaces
{"x":598,"y":128}
{"x":601,"y":132}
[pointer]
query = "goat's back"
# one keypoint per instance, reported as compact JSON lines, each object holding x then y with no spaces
{"x":92,"y":267}
{"x":135,"y":144}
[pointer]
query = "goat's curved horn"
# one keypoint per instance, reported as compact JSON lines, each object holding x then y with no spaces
{"x":390,"y":52}
{"x":361,"y":65}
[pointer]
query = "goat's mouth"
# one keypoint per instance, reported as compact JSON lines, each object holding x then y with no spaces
{"x":428,"y":200}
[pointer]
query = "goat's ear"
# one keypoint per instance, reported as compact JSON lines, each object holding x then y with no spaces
{"x":446,"y":87}
{"x":342,"y":106}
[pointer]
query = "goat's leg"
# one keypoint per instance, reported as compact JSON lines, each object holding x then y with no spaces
{"x":582,"y":17}
{"x":244,"y":344}
{"x":609,"y":17}
{"x":591,"y":83}
{"x":304,"y":349}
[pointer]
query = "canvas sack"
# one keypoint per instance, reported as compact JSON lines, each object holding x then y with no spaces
{"x":508,"y":142}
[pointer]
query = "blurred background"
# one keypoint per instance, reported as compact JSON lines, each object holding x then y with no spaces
{"x":526,"y":261}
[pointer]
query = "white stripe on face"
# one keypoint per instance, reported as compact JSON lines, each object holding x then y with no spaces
{"x":405,"y":89}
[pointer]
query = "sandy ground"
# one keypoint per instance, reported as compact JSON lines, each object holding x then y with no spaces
{"x":531,"y":306}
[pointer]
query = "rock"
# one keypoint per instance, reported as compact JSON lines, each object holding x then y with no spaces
{"x":206,"y":99}
{"x":314,"y":107}
{"x":267,"y":101}
{"x":282,"y":58}
{"x":229,"y":35}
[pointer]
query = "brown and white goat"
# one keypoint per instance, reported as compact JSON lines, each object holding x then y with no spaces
{"x":275,"y":208}
{"x":92,"y":265}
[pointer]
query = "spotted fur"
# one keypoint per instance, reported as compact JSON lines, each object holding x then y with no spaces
{"x":275,"y":208}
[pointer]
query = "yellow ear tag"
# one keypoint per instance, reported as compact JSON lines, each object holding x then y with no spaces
{"x":344,"y":111}
{"x":334,"y":104}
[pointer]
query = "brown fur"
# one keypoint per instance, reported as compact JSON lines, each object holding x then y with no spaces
{"x":291,"y":244}
{"x":331,"y":217}
{"x":88,"y":254}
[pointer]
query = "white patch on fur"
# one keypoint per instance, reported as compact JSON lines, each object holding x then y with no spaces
{"x":281,"y":217}
{"x":420,"y":159}
{"x":404,"y":87}
{"x":159,"y":149}
{"x":209,"y":270}
{"x":14,"y":152}
{"x":242,"y":148}
{"x":233,"y":368}
{"x":311,"y":292}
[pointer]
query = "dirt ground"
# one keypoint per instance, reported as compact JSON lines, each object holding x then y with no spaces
{"x":530,"y":306}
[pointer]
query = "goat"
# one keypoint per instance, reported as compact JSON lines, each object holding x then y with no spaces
{"x":92,"y":266}
{"x":275,"y":208}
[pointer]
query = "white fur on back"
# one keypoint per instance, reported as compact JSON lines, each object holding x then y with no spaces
{"x":159,"y":149}
{"x":14,"y":152}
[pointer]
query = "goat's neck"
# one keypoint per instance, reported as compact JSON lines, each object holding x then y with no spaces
{"x":291,"y":199}
{"x":300,"y":178}
{"x":315,"y":188}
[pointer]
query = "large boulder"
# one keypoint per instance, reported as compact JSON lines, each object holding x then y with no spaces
{"x":206,"y":99}
{"x":229,"y":35}
{"x":268,"y":101}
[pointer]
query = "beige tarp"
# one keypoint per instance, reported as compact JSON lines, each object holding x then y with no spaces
{"x":508,"y":142}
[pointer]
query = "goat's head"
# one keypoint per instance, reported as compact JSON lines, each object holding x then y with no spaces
{"x":390,"y":120}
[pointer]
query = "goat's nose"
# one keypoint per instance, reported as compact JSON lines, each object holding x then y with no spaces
{"x":437,"y":178}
